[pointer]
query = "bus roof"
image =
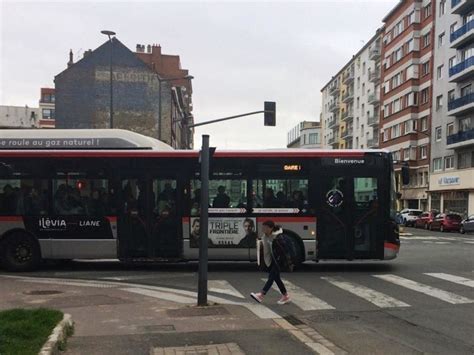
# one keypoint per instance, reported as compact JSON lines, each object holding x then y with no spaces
{"x":77,"y":139}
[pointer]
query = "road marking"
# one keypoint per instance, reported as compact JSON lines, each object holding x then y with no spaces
{"x":223,"y":286}
{"x":302,"y":298}
{"x":452,"y":278}
{"x":469,"y":242}
{"x":427,"y":242}
{"x":427,"y":290}
{"x":443,"y":243}
{"x":160,"y":295}
{"x":375,"y":297}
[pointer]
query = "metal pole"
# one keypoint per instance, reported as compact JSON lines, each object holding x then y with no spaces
{"x":159,"y":108}
{"x":111,"y":86}
{"x":204,"y":222}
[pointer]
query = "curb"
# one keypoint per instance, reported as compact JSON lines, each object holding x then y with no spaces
{"x":58,"y":337}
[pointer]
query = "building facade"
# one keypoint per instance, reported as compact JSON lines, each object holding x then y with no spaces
{"x":406,"y":95}
{"x":452,"y":163}
{"x":140,"y":96}
{"x":47,"y":108}
{"x":19,"y":117}
{"x":350,"y":101}
{"x":306,"y":134}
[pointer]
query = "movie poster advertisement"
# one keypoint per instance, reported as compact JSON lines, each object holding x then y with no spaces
{"x":226,"y":232}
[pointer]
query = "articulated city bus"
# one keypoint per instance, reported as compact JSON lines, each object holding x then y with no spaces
{"x":92,"y":194}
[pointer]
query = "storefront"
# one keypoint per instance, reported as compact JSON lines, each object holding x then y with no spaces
{"x":453,"y":192}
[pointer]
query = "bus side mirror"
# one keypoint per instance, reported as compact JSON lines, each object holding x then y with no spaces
{"x":405,"y":175}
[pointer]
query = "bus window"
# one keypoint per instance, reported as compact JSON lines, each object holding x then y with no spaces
{"x":75,"y":195}
{"x":284,"y":193}
{"x":365,"y":213}
{"x":223,"y":193}
{"x":165,"y":190}
{"x":27,"y":197}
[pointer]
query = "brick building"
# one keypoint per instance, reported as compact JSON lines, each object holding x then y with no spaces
{"x":47,"y":111}
{"x":83,"y":94}
{"x":406,"y":95}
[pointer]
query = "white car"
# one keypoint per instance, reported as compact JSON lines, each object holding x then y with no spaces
{"x":409,"y":216}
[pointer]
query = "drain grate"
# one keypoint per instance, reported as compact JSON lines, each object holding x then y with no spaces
{"x":333,"y":317}
{"x":293,"y":320}
{"x":42,"y":292}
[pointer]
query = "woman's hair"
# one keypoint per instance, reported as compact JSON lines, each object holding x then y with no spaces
{"x":271,"y":225}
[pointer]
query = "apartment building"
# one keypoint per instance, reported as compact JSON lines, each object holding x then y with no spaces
{"x":452,"y":160}
{"x":406,"y":96}
{"x":351,"y":99}
{"x":306,"y":134}
{"x":47,"y":108}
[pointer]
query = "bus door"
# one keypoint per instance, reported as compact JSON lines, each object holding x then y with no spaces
{"x":166,"y":235}
{"x":348,"y":217}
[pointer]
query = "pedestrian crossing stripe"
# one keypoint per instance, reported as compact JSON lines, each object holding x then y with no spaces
{"x":302,"y":298}
{"x":425,"y":289}
{"x":375,"y":297}
{"x":452,"y":278}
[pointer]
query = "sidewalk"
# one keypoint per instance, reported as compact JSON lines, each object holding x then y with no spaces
{"x":111,"y":319}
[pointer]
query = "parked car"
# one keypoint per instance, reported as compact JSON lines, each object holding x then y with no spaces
{"x":424,"y":220}
{"x":467,"y":225}
{"x":446,"y":222}
{"x":409,"y":216}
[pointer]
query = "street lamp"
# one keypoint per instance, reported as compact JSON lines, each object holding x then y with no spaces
{"x":163,"y":80}
{"x":109,"y":34}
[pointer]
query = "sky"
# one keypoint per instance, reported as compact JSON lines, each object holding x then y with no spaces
{"x":240,"y":53}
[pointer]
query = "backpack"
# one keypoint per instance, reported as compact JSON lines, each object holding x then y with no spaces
{"x":284,"y":252}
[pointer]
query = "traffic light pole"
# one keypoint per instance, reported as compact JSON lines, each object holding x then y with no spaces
{"x":224,"y":119}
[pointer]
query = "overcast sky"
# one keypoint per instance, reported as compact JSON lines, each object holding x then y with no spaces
{"x":240,"y":53}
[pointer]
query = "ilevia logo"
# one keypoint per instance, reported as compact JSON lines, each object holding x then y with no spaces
{"x":52,"y":224}
{"x":348,"y":161}
{"x":89,"y":223}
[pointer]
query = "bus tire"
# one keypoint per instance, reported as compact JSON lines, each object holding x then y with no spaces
{"x":20,"y":252}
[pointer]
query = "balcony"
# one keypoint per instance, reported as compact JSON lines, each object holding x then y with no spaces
{"x":348,"y":97}
{"x":460,"y":139}
{"x":347,"y":115}
{"x":333,"y":88}
{"x":373,"y":120}
{"x":462,"y":105}
{"x":462,"y":71}
{"x":347,"y":133}
{"x":333,"y":123}
{"x":460,"y":7}
{"x":331,"y":140}
{"x":334,"y":106}
{"x":373,"y":99}
{"x":374,"y":53}
{"x":373,"y":142}
{"x":463,"y":35}
{"x":348,"y":77}
{"x":374,"y":76}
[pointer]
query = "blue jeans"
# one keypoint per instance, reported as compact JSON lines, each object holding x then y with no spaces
{"x":274,"y":276}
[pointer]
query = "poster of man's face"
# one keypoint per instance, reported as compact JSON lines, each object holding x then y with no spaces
{"x":249,"y":226}
{"x":195,"y":228}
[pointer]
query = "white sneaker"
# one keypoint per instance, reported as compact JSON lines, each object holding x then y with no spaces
{"x":257,"y":296}
{"x":284,"y":299}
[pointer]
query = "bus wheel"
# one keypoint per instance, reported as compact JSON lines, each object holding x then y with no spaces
{"x":20,"y":252}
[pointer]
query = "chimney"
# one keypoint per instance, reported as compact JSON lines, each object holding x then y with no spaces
{"x":148,"y":49}
{"x":71,"y":62}
{"x":86,"y":53}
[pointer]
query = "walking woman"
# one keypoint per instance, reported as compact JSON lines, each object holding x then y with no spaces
{"x":270,"y":231}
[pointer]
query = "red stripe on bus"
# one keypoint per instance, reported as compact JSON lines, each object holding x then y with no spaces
{"x":287,"y":219}
{"x":186,"y":219}
{"x":179,"y":154}
{"x":112,"y":218}
{"x":11,"y":218}
{"x":391,"y":246}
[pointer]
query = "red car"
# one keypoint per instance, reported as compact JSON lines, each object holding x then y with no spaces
{"x":425,"y":219}
{"x":446,"y":222}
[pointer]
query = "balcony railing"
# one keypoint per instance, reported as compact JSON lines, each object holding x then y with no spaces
{"x":460,"y":137}
{"x":348,"y":77}
{"x":347,"y":115}
{"x":333,"y":88}
{"x":374,"y":52}
{"x":462,"y":101}
{"x":458,"y":68}
{"x":374,"y":76}
{"x":331,"y":140}
{"x":462,"y":30}
{"x":348,"y":96}
{"x":334,"y":122}
{"x":334,"y":106}
{"x":373,"y":142}
{"x":373,"y":99}
{"x":347,"y":132}
{"x":373,"y":120}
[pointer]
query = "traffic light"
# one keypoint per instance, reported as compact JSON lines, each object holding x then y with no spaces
{"x":270,"y":113}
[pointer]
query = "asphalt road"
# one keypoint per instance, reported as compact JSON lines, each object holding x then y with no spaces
{"x":422,"y":302}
